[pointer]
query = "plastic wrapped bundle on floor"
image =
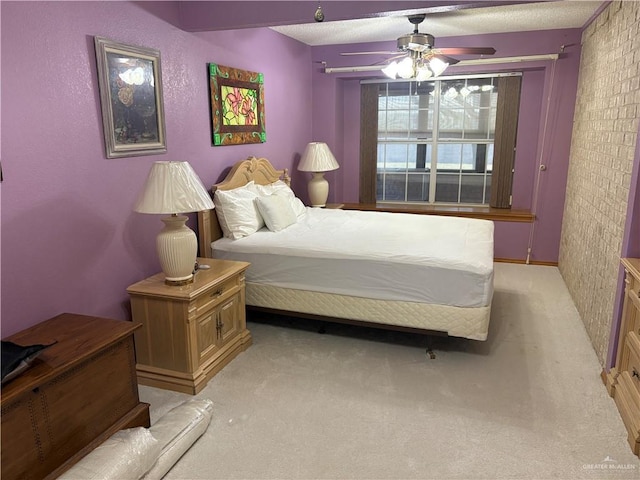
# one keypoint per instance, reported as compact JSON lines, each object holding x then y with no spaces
{"x":149,"y":454}
{"x":176,"y":431}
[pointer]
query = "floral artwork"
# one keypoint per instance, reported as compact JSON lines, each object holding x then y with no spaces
{"x":131,"y":96}
{"x":237,"y":106}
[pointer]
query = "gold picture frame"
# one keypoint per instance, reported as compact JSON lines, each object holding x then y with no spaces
{"x":130,"y":82}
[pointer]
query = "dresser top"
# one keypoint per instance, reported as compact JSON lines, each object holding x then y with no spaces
{"x":76,"y":337}
{"x":219,"y":271}
{"x":633,"y":265}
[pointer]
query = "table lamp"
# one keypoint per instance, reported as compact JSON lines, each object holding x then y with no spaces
{"x":173,"y":188}
{"x":317,"y":158}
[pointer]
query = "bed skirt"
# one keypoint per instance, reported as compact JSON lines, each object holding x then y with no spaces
{"x":471,"y":323}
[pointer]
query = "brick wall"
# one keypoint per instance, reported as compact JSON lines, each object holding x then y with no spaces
{"x":602,"y":151}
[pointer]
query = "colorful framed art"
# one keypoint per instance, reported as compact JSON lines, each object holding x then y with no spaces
{"x":237,"y":106}
{"x":131,"y":96}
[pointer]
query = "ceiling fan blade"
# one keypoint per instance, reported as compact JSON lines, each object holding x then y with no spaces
{"x":466,"y":50}
{"x":369,"y":53}
{"x":447,"y":59}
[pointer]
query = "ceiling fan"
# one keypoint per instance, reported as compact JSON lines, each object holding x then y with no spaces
{"x":420,"y":58}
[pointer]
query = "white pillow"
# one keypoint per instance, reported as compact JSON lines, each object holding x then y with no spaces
{"x":276,"y":211}
{"x":237,"y":212}
{"x":280,"y":188}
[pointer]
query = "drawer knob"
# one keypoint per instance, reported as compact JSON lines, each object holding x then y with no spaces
{"x":217,"y":293}
{"x":634,"y":373}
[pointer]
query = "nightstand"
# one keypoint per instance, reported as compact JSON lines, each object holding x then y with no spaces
{"x":189,"y":333}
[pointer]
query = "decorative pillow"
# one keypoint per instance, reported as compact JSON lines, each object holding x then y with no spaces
{"x":237,"y":211}
{"x":276,"y":211}
{"x":280,"y":188}
{"x":16,"y":358}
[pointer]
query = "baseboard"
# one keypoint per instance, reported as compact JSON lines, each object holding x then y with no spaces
{"x":524,"y":262}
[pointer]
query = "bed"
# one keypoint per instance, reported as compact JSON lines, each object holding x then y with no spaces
{"x":419,"y":273}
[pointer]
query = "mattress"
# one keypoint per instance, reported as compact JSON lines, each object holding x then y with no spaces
{"x":374,"y":255}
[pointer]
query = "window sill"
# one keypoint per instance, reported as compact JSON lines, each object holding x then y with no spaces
{"x":485,"y":213}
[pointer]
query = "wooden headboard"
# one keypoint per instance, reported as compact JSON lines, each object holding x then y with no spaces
{"x":260,"y":171}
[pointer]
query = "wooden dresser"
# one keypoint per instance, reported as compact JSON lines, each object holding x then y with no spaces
{"x":189,"y":332}
{"x":623,"y":381}
{"x":76,"y":394}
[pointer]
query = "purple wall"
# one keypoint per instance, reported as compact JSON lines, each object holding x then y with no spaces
{"x":70,"y":241}
{"x":544,"y":128}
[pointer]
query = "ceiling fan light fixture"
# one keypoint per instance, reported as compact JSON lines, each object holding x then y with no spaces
{"x":437,"y":66}
{"x":391,"y":70}
{"x":406,"y":68}
{"x":422,"y":74}
{"x":417,"y":42}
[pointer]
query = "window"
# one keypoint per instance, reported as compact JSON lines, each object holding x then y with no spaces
{"x":436,"y":141}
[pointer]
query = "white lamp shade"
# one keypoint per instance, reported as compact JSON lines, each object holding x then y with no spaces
{"x":317,"y":157}
{"x":173,"y":187}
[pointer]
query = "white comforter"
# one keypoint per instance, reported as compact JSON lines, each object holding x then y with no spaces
{"x":387,"y":256}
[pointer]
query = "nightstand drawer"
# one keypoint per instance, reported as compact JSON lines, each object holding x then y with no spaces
{"x":212,"y":296}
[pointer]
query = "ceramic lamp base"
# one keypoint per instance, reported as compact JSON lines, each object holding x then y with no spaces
{"x":318,"y":190}
{"x":177,"y":250}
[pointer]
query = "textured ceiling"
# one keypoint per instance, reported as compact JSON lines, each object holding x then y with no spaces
{"x":547,"y":15}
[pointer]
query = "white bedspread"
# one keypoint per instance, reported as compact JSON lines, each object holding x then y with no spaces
{"x":388,"y":256}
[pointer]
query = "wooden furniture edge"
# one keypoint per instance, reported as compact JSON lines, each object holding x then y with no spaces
{"x":481,"y":212}
{"x":193,"y":383}
{"x":28,"y":381}
{"x":139,"y":415}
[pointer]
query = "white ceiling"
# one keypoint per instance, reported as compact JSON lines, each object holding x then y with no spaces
{"x":548,"y":15}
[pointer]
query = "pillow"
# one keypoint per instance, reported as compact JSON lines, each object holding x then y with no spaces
{"x":16,"y":358}
{"x":237,"y":212}
{"x":276,"y":211}
{"x":280,"y":188}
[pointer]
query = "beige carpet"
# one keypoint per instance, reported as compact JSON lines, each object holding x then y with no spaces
{"x":360,"y":403}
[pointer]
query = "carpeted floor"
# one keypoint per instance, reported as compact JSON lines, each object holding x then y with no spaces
{"x":357,"y":403}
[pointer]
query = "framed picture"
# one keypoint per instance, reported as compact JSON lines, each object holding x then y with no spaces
{"x":237,"y":106}
{"x":131,"y":96}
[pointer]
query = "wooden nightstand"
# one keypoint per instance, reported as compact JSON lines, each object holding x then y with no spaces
{"x":189,"y":333}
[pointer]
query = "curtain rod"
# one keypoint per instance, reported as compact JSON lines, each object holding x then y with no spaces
{"x":478,"y":61}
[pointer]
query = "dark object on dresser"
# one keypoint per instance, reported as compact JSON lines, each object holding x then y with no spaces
{"x":75,"y":395}
{"x":17,"y":358}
